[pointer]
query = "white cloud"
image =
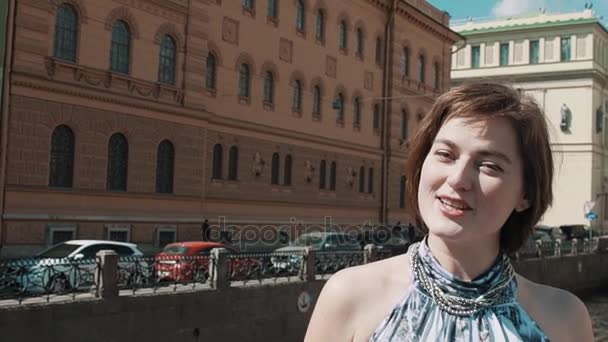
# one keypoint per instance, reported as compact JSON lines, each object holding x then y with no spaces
{"x":505,"y":8}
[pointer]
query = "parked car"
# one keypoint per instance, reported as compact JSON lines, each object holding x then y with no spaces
{"x":318,"y":242}
{"x":577,"y":231}
{"x":394,"y":242}
{"x":554,"y":233}
{"x":65,"y":266}
{"x":188,"y":261}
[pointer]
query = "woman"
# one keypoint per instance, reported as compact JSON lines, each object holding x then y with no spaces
{"x":480,"y":174}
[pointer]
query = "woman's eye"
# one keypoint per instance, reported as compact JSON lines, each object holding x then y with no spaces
{"x":491,"y":167}
{"x":443,"y":155}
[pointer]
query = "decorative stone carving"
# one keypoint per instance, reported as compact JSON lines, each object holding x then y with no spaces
{"x":309,"y":171}
{"x":122,"y":13}
{"x":170,"y":29}
{"x":331,"y":66}
{"x":368,"y":82}
{"x":285,"y":50}
{"x":258,"y":164}
{"x":77,"y":4}
{"x":163,"y":8}
{"x":230,"y":31}
{"x":351,"y":176}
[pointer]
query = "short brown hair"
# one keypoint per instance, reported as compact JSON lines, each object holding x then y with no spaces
{"x":484,"y":100}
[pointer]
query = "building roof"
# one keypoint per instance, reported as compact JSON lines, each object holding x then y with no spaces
{"x":529,"y":21}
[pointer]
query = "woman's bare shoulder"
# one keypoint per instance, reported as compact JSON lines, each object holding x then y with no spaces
{"x":347,"y":295}
{"x":561,"y":314}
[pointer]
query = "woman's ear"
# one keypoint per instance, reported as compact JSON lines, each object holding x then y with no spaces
{"x":523,"y":205}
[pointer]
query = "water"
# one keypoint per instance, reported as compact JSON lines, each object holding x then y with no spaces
{"x":598,"y":309}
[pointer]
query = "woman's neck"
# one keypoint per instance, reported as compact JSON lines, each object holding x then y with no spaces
{"x":465,"y":260}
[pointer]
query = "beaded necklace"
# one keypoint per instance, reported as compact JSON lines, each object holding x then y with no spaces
{"x":456,"y":305}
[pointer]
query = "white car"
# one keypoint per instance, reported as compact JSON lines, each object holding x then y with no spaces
{"x":67,"y":266}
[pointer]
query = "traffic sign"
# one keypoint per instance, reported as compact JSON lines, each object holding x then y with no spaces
{"x":591,"y":216}
{"x":588,"y":206}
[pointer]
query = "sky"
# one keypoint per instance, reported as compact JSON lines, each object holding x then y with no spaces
{"x":461,"y":9}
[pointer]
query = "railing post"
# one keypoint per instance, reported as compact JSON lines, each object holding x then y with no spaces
{"x":574,"y":250}
{"x":309,"y":266}
{"x":106,"y":274}
{"x":558,"y":247}
{"x":220,"y":265}
{"x":370,"y":253}
{"x":539,"y":249}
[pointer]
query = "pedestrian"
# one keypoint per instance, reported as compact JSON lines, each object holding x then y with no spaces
{"x":480,"y":174}
{"x":205,"y":233}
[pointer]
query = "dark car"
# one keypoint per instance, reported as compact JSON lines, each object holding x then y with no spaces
{"x":394,"y":242}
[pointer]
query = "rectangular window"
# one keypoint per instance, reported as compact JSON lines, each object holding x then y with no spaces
{"x":376,"y":118}
{"x":534,"y":49}
{"x":60,"y":232}
{"x":565,"y":49}
{"x":504,"y":54}
{"x":475,"y":56}
{"x":165,"y":235}
{"x":118,"y":232}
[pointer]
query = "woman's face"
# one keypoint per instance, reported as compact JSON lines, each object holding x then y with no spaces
{"x":472,"y":179}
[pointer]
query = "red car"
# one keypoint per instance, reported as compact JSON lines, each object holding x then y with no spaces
{"x":189,"y":261}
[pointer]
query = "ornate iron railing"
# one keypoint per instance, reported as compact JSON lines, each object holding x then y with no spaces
{"x":332,"y":262}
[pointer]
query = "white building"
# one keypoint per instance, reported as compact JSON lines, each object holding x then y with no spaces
{"x":562,"y":61}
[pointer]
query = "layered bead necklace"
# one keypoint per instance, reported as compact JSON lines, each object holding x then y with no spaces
{"x":456,"y":305}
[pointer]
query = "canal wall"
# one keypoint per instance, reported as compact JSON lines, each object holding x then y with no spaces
{"x":274,"y":312}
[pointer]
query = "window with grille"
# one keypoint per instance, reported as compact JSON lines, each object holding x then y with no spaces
{"x":66,"y":33}
{"x":244,"y":80}
{"x":165,"y":167}
{"x":166,"y":65}
{"x":62,"y":157}
{"x":287,"y":171}
{"x":322,"y":171}
{"x":274,"y":172}
{"x":233,"y":163}
{"x":120,"y":48}
{"x":332,"y":176}
{"x":118,"y":157}
{"x":211,"y":71}
{"x":217,"y":162}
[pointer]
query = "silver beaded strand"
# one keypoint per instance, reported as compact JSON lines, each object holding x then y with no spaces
{"x":457,"y":305}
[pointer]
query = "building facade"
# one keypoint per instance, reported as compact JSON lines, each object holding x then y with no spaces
{"x":138,"y":120}
{"x":562,"y":61}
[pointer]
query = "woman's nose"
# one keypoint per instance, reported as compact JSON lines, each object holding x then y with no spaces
{"x":460,"y":176}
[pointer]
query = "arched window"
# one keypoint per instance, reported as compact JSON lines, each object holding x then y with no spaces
{"x":405,"y":62}
{"x":370,"y":181}
{"x":121,"y":46}
{"x":268,"y":87}
{"x":357,"y":112}
{"x":322,"y":171}
{"x":297,"y":96}
{"x":332,"y":176}
{"x":316,"y":101}
{"x":300,"y":18}
{"x":61,"y":168}
{"x":359,"y":42}
{"x":378,"y":51}
{"x":362,"y":179}
{"x":248,"y":4}
{"x":421,"y":67}
{"x":211,"y":71}
{"x":217,"y":162}
{"x":436,"y":76}
{"x":402,"y":193}
{"x":66,"y":33}
{"x":233,"y":163}
{"x":118,"y":158}
{"x":342,"y":39}
{"x":287,"y":175}
{"x":165,"y":161}
{"x":320,"y":26}
{"x":339,"y":106}
{"x":272,"y":9}
{"x":244,"y":80}
{"x":274,"y":172}
{"x":166,"y":61}
{"x":403,"y":125}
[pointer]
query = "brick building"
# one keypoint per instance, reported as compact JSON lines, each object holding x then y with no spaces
{"x":138,"y":119}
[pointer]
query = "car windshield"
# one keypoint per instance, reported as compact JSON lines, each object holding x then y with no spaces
{"x":308,"y":240}
{"x":175,"y":250}
{"x":61,"y":250}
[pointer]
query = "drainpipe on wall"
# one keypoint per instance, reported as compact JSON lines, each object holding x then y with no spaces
{"x":387,"y":89}
{"x":7,"y":59}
